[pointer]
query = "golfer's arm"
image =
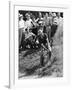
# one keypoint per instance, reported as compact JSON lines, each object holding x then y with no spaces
{"x":43,"y":46}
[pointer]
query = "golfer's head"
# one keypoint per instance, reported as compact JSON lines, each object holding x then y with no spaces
{"x":40,"y":32}
{"x":41,"y":24}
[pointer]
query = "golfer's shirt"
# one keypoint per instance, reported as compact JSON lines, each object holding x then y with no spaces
{"x":42,"y":39}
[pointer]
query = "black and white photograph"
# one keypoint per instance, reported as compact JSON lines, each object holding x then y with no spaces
{"x":36,"y":50}
{"x":40,"y":44}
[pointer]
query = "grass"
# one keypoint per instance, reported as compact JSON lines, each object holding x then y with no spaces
{"x":29,"y":61}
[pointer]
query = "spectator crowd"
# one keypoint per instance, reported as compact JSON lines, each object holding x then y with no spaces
{"x":36,"y":32}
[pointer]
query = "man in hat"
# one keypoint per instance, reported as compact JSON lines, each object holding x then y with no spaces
{"x":21,"y":28}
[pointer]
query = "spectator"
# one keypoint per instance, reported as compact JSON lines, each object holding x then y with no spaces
{"x":50,"y":18}
{"x":28,"y":22}
{"x":60,"y":19}
{"x":46,"y":24}
{"x":54,"y":24}
{"x":21,"y":28}
{"x":40,"y":18}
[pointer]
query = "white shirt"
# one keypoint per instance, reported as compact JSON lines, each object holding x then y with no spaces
{"x":27,"y":35}
{"x":21,"y":24}
{"x":28,"y":23}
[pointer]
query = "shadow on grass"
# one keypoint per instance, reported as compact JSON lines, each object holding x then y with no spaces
{"x":30,"y":51}
{"x":46,"y":71}
{"x":7,"y":86}
{"x":30,"y":71}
